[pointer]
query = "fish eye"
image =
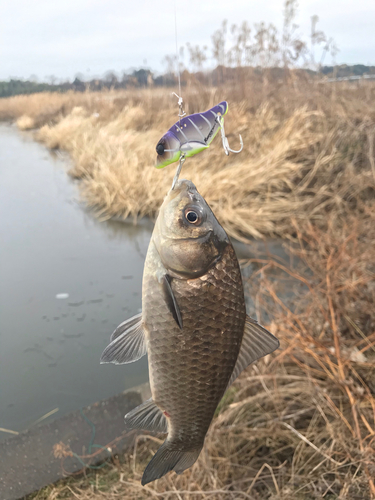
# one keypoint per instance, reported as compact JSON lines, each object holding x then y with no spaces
{"x":160,"y":149}
{"x":191,"y":216}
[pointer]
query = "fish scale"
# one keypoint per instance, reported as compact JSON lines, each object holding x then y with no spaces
{"x":190,"y":368}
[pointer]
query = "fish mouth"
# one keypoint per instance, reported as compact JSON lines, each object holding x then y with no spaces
{"x":184,"y":189}
{"x":201,"y":238}
{"x":183,"y":185}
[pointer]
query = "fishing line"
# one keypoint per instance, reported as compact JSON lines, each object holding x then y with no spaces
{"x":194,"y":133}
{"x":177,"y":54}
{"x":180,"y":100}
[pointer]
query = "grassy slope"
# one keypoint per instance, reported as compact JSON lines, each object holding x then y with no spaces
{"x":306,"y":150}
{"x":300,"y":425}
{"x":297,"y":426}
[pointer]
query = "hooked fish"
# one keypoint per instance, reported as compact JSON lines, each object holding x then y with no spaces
{"x":191,"y":135}
{"x":193,"y":327}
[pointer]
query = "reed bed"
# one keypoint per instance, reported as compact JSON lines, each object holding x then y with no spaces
{"x":299,"y":425}
{"x":308,"y":150}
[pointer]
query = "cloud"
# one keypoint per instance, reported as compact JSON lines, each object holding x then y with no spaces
{"x":62,"y":38}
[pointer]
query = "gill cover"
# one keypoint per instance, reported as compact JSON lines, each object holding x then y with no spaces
{"x":187,"y":235}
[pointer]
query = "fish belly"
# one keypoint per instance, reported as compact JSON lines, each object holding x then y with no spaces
{"x":190,"y":367}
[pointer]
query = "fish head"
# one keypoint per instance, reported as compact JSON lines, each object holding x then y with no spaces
{"x":187,"y":235}
{"x":168,"y":150}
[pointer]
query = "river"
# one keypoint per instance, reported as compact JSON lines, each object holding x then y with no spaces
{"x":67,"y":280}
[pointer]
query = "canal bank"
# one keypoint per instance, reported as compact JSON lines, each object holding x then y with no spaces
{"x":69,"y":280}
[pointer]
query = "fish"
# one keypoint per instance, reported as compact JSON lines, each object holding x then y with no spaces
{"x":191,"y":135}
{"x":193,"y":326}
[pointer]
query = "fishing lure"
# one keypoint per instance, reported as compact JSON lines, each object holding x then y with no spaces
{"x":192,"y":134}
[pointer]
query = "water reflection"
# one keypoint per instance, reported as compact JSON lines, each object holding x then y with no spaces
{"x":67,"y":280}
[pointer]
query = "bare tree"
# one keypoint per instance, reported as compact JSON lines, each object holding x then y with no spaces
{"x":241,"y":39}
{"x":331,"y":48}
{"x":262,"y":45}
{"x":292,"y":47}
{"x":170,"y":61}
{"x":266,"y":47}
{"x":197,"y":56}
{"x":219,"y":41}
{"x":317,"y":38}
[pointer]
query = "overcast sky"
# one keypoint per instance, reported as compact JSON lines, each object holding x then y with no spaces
{"x":66,"y":37}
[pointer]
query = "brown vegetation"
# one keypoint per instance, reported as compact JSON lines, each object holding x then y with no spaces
{"x":308,"y":150}
{"x":300,"y":425}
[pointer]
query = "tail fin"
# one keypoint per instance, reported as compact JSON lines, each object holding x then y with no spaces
{"x":167,"y":459}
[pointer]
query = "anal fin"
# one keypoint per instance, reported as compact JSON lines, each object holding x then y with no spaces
{"x":127,"y":342}
{"x":256,"y":343}
{"x":148,"y":417}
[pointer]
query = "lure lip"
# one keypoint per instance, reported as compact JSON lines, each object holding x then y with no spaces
{"x":226,"y":106}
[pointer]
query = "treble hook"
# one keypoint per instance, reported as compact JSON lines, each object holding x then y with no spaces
{"x":224,"y":139}
{"x":178,"y":171}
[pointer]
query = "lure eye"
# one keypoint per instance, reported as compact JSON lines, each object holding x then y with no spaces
{"x":192,"y":216}
{"x":160,"y":149}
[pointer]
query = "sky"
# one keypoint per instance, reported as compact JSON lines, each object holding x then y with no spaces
{"x":90,"y":37}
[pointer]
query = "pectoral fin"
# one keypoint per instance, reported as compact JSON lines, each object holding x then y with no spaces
{"x":171,"y":301}
{"x":126,"y":326}
{"x":127,"y":342}
{"x":256,"y":343}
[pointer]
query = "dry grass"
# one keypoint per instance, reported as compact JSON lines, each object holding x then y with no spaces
{"x":308,"y":150}
{"x":300,"y":425}
{"x":44,"y":107}
{"x":25,"y":122}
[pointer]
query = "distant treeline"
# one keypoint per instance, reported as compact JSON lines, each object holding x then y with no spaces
{"x":16,"y":87}
{"x":138,"y":78}
{"x":239,"y":52}
{"x":145,"y":78}
{"x":345,"y":70}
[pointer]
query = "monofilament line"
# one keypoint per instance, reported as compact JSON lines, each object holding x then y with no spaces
{"x":177,"y":54}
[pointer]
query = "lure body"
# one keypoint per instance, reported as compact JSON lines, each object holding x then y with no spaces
{"x":191,"y":135}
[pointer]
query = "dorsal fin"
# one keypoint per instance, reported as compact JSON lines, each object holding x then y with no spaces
{"x":171,"y":300}
{"x":127,"y":343}
{"x":256,"y":343}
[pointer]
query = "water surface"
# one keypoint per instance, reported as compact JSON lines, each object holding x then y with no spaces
{"x":66,"y":281}
{"x":50,"y":248}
